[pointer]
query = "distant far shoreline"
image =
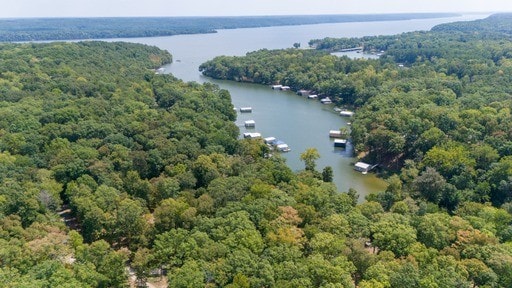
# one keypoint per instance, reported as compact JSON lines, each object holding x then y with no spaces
{"x":52,"y":29}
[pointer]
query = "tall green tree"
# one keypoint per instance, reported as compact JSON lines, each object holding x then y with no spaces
{"x":309,"y":157}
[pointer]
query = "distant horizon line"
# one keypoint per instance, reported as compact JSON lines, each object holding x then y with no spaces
{"x":256,"y":16}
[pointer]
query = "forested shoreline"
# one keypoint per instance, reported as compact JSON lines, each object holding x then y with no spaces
{"x":44,"y":29}
{"x":435,"y":99}
{"x":156,"y":178}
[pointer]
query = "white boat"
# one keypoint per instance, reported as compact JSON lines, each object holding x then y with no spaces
{"x":245,"y":109}
{"x":346,"y":113}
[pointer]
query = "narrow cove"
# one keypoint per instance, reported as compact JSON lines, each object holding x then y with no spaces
{"x":300,"y":122}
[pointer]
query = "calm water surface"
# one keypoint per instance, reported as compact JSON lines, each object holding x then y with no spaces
{"x":300,"y":122}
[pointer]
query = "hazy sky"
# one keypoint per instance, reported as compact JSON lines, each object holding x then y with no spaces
{"x":100,"y":8}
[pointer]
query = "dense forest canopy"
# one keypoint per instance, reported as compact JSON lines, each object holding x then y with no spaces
{"x":37,"y":29}
{"x":105,"y":165}
{"x":496,"y":24}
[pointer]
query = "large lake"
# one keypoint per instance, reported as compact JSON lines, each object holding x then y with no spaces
{"x":300,"y":122}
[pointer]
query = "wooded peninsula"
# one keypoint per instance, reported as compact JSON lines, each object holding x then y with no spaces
{"x":106,"y":164}
{"x":44,"y":29}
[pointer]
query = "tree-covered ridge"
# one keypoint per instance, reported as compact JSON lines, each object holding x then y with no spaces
{"x":33,"y":29}
{"x":442,"y":41}
{"x":497,"y":25}
{"x":300,"y":69}
{"x":155,"y":177}
{"x":411,"y":47}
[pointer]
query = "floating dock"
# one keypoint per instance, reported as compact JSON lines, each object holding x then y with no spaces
{"x":252,"y":135}
{"x":250,"y":124}
{"x":269,"y":140}
{"x":364,"y":167}
{"x":342,"y":143}
{"x":346,"y":113}
{"x":335,"y":133}
{"x":276,"y":144}
{"x":326,"y":100}
{"x":281,"y":146}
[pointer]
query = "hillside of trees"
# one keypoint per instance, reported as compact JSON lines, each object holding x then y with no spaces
{"x":105,"y":164}
{"x":496,"y":25}
{"x":39,"y":29}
